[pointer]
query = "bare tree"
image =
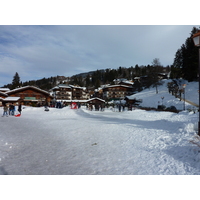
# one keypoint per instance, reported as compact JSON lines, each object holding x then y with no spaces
{"x":156,"y":69}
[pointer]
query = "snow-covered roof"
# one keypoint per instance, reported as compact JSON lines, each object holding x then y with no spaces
{"x":69,"y":101}
{"x":56,"y":87}
{"x":81,"y":101}
{"x":26,"y":87}
{"x":4,"y":89}
{"x":68,"y":86}
{"x":129,"y":82}
{"x":130,"y":97}
{"x":63,"y":86}
{"x":3,"y":94}
{"x":73,"y":86}
{"x":11,"y":99}
{"x":96,"y":98}
{"x":117,"y":86}
{"x":120,"y":79}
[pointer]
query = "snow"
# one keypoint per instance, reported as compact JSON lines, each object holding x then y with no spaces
{"x":76,"y":142}
{"x":151,"y":99}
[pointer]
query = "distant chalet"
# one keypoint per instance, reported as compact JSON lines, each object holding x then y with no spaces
{"x":115,"y":92}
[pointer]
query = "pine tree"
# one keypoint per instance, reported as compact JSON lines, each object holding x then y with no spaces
{"x":186,"y":60}
{"x":16,"y":81}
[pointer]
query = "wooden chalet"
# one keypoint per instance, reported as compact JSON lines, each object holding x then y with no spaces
{"x":2,"y":97}
{"x":78,"y":93}
{"x":4,"y":90}
{"x":31,"y":95}
{"x":116,"y":92}
{"x":132,"y":101}
{"x":95,"y":100}
{"x":62,"y":92}
{"x":127,"y":83}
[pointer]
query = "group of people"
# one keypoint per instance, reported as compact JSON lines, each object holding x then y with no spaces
{"x":96,"y":106}
{"x":10,"y":110}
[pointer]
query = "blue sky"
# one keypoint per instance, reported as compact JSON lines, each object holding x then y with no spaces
{"x":33,"y":47}
{"x":43,"y":51}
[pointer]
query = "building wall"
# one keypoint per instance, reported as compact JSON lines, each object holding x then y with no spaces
{"x":69,"y":93}
{"x":28,"y":96}
{"x":63,"y":93}
{"x":117,"y":92}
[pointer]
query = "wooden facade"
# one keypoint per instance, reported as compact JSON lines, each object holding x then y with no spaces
{"x":30,"y":95}
{"x":2,"y":97}
{"x":64,"y":92}
{"x":116,"y":92}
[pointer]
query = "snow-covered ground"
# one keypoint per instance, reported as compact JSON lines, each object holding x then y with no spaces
{"x":66,"y":141}
{"x":151,"y":99}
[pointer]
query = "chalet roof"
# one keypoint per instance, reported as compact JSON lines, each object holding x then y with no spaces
{"x":117,"y":86}
{"x":126,"y":82}
{"x":27,"y":87}
{"x":96,"y":98}
{"x":68,"y":86}
{"x":120,"y":79}
{"x":61,"y":86}
{"x":4,"y":89}
{"x":71,"y":100}
{"x":11,"y":99}
{"x":130,"y":97}
{"x":77,"y":87}
{"x":130,"y":82}
{"x":81,"y":101}
{"x":3,"y":94}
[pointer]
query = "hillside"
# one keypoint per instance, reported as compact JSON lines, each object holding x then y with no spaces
{"x":151,"y":99}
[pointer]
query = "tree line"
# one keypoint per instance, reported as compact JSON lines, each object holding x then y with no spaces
{"x":107,"y":76}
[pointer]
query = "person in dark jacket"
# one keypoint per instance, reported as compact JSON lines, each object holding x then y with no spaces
{"x":12,"y":109}
{"x":20,"y":108}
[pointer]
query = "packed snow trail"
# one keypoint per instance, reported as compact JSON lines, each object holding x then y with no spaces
{"x":65,"y":141}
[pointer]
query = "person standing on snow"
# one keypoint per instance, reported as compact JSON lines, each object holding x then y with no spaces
{"x":12,"y":109}
{"x":119,"y":106}
{"x":5,"y":110}
{"x":20,"y":108}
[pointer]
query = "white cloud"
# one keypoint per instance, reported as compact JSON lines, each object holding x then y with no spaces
{"x":42,"y":51}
